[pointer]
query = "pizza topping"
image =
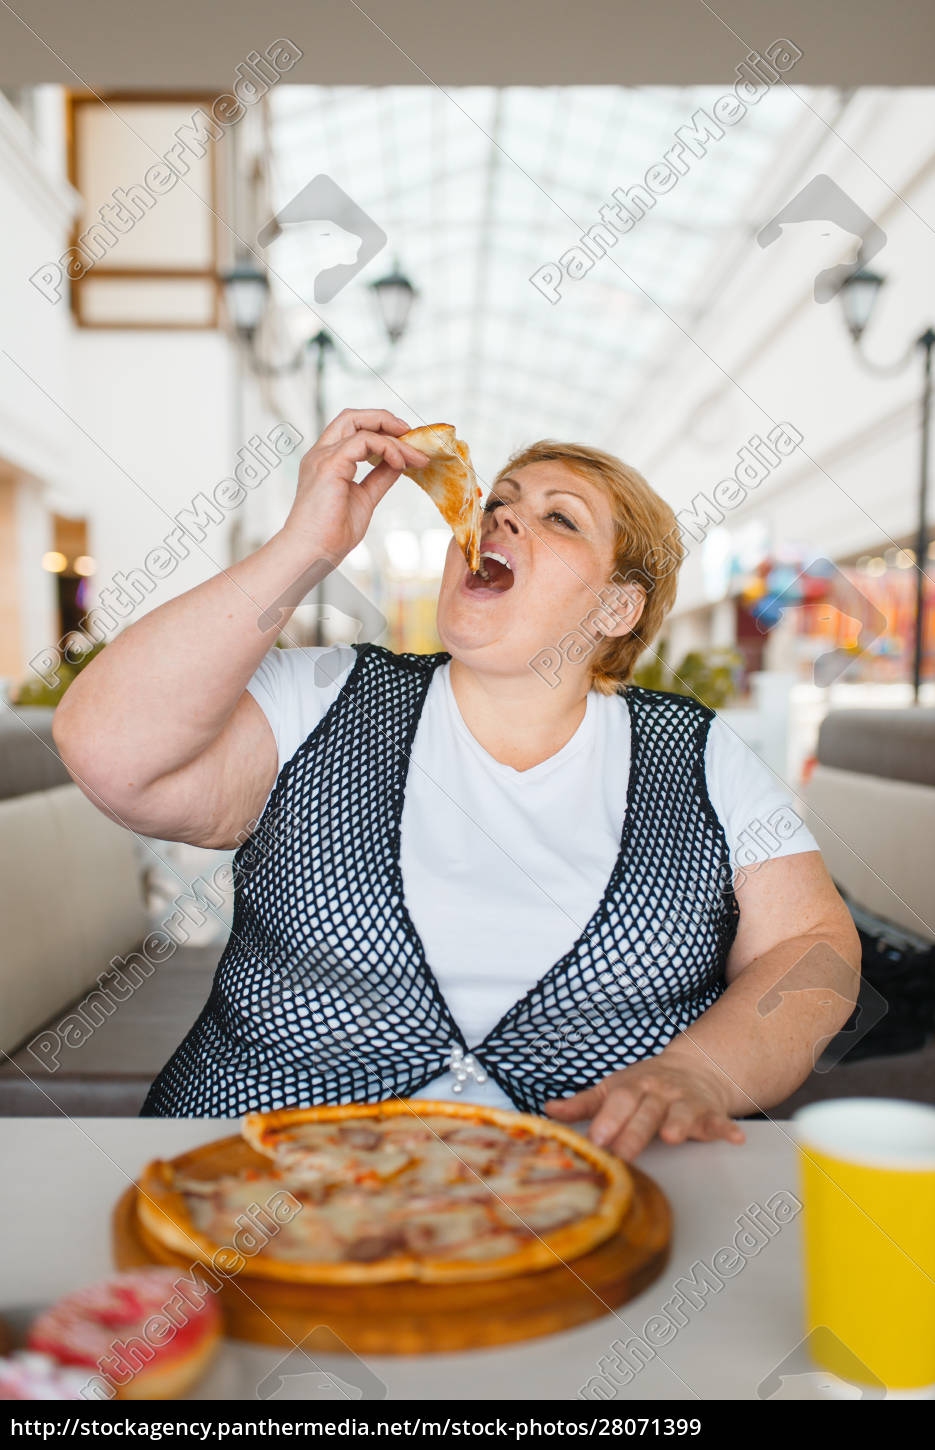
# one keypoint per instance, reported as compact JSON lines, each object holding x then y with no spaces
{"x":323,"y":1153}
{"x":493,"y":1245}
{"x":547,"y":1174}
{"x":376,"y":1245}
{"x":471,"y":1135}
{"x":395,"y":1187}
{"x":360,"y":1135}
{"x":307,"y":1238}
{"x":547,"y":1206}
{"x":439,"y":1202}
{"x":446,"y":1231}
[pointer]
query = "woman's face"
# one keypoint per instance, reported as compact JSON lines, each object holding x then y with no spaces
{"x":555,"y":531}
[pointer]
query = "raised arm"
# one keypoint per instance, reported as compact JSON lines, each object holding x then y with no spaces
{"x":159,"y":731}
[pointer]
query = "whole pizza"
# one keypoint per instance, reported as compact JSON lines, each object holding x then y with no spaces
{"x":405,"y":1189}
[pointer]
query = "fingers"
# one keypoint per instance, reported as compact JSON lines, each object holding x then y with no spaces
{"x":679,"y":1122}
{"x":630,"y":1115}
{"x":378,"y":482}
{"x":351,"y":419}
{"x":580,"y":1105}
{"x":629,"y":1108}
{"x":628,"y":1122}
{"x":686,"y":1120}
{"x":363,"y":444}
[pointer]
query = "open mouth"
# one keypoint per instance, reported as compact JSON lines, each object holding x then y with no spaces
{"x":494,"y":576}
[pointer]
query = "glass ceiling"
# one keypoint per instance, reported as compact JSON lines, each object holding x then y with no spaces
{"x":478,"y":188}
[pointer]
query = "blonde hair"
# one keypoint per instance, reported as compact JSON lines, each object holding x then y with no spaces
{"x":648,"y":550}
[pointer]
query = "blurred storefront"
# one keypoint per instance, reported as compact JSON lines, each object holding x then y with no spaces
{"x":863,"y":608}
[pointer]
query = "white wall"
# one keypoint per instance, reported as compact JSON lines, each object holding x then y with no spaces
{"x":157,"y":407}
{"x":121,"y":427}
{"x":38,"y":205}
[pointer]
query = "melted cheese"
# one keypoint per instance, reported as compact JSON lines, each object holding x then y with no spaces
{"x":433,"y":1188}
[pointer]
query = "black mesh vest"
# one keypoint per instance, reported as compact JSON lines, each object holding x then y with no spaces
{"x":323,"y":993}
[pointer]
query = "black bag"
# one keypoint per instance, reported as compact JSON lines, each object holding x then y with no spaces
{"x":896,"y":1005}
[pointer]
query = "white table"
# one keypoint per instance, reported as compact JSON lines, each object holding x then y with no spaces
{"x":60,"y":1179}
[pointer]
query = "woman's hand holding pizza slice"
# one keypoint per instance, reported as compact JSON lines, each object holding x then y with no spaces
{"x":332,"y":511}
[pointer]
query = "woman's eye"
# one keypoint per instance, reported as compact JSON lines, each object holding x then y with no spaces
{"x":491,"y":504}
{"x":562,"y":519}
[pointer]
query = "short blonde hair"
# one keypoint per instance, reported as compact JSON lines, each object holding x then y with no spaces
{"x":648,"y":550}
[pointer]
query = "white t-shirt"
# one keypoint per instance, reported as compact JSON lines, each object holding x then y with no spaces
{"x":502,"y":869}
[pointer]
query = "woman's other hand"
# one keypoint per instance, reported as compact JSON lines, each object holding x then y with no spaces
{"x":661,"y":1095}
{"x":332,"y":512}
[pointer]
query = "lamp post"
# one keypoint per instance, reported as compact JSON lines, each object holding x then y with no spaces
{"x":246,"y":290}
{"x":859,"y":294}
{"x":394,"y":295}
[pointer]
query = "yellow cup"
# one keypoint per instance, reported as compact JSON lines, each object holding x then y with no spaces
{"x":867,"y":1169}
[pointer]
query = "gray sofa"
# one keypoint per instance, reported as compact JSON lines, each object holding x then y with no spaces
{"x":86,"y":1022}
{"x":870,"y":803}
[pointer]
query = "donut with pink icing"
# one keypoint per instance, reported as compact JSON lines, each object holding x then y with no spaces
{"x":148,"y":1334}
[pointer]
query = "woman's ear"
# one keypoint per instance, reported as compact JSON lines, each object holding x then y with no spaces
{"x":620,"y":609}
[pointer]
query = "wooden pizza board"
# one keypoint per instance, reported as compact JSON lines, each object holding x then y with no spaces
{"x":407,"y":1317}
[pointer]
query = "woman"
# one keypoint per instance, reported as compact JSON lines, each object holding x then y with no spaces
{"x":499,"y":873}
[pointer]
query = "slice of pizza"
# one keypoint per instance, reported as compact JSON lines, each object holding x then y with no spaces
{"x":432,"y":1191}
{"x":450,"y":483}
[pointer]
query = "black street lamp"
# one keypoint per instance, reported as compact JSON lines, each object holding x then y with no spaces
{"x":246,"y":291}
{"x":859,"y":294}
{"x":395,"y":295}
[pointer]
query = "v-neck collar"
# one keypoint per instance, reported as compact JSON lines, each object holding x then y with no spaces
{"x":581,"y":739}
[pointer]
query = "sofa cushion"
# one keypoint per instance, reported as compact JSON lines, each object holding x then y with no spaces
{"x":892,"y":744}
{"x":98,"y":1056}
{"x":877,"y":838}
{"x":70,"y":900}
{"x":28,"y":758}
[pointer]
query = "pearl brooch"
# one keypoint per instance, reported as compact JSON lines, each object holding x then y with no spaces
{"x":463,"y":1066}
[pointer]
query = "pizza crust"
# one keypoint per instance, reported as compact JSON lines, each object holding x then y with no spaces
{"x":165,"y":1217}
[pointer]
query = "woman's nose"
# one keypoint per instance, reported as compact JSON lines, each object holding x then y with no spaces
{"x":506,"y":519}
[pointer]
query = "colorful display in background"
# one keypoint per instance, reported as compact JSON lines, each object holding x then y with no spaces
{"x":818,"y":601}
